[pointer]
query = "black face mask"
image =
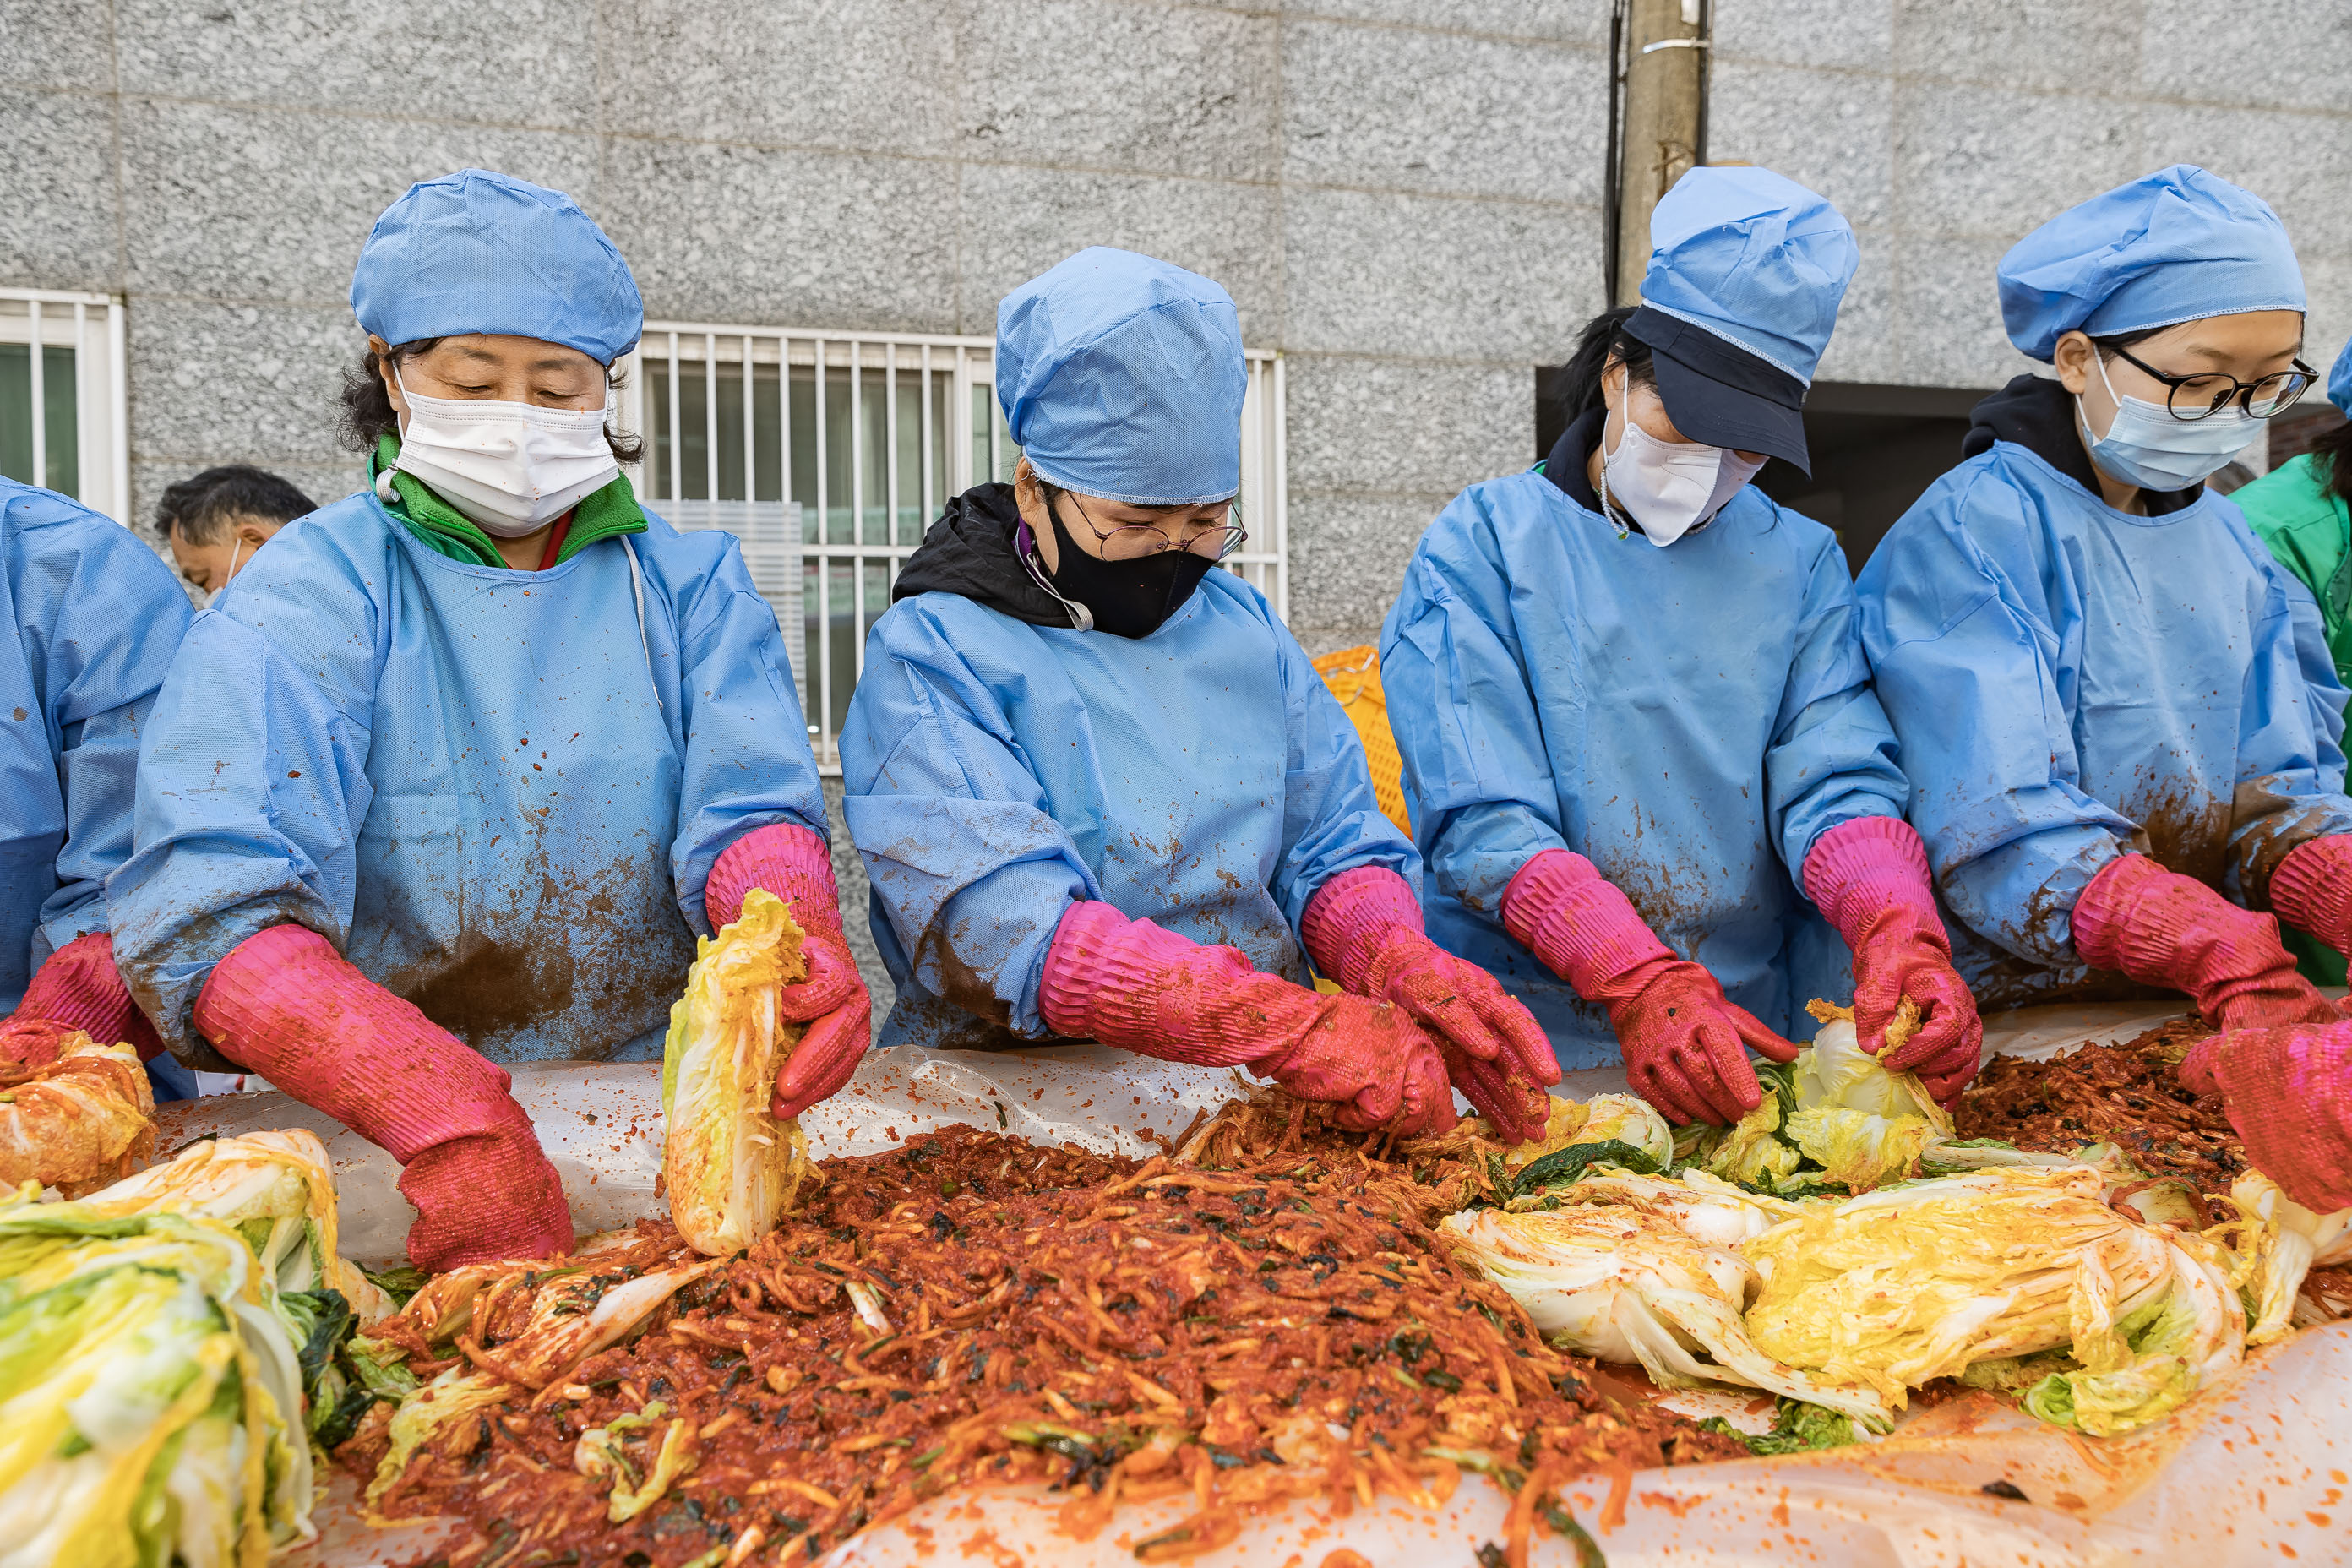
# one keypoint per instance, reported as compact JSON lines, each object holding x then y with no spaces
{"x":1127,"y":598}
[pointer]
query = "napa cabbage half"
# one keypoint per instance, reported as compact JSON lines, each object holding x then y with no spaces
{"x":1627,"y":1285}
{"x":2280,"y":1242}
{"x":730,"y":1167}
{"x":276,"y":1192}
{"x":1919,"y":1281}
{"x":147,"y":1397}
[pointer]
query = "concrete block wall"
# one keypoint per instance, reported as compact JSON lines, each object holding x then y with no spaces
{"x":1946,"y":130}
{"x":1403,"y":195}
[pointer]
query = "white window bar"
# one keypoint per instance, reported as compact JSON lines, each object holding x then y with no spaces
{"x":64,"y":404}
{"x":781,"y":413}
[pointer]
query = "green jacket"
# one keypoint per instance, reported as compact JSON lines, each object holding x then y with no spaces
{"x":2306,"y":527}
{"x":442,"y":528}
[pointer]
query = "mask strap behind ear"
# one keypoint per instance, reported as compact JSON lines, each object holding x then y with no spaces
{"x":2115,"y":410}
{"x":1081,"y":618}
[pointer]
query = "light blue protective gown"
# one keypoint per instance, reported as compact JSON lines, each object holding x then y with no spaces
{"x":97,"y":618}
{"x":2072,"y":683}
{"x":479,"y":784}
{"x":1689,"y":718}
{"x":1202,"y":777}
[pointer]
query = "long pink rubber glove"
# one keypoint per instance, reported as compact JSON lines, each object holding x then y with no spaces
{"x":2312,"y":890}
{"x":795,"y":864}
{"x":1869,"y":878}
{"x":78,"y":988}
{"x":1131,"y":984}
{"x":285,"y":1005}
{"x":2161,"y":928}
{"x":1685,"y":1044}
{"x":1363,"y":929}
{"x":2289,"y":1094}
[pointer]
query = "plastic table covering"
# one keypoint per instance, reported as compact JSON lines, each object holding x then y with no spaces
{"x":2258,"y":1470}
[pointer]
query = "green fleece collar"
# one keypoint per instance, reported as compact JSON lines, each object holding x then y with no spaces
{"x":442,"y":528}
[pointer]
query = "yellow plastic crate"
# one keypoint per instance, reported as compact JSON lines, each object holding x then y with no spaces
{"x":1353,"y":674}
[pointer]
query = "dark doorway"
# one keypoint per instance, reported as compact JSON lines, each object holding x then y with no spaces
{"x":1874,"y":449}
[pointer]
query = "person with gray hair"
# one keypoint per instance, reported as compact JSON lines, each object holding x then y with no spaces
{"x":214,"y":522}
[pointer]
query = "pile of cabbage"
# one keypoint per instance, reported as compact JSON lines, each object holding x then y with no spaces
{"x":1838,"y":1249}
{"x":730,"y":1168}
{"x":170,"y":1348}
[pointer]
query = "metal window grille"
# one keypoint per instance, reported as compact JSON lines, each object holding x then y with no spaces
{"x":63,"y":397}
{"x":829,"y":454}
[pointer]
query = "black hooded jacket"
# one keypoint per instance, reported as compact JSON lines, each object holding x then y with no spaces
{"x":969,"y":550}
{"x":2038,"y":413}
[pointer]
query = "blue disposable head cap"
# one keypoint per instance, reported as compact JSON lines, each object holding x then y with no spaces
{"x":1756,"y":259}
{"x":1121,"y":377}
{"x":2176,"y":245}
{"x":2339,"y":380}
{"x":482,"y":252}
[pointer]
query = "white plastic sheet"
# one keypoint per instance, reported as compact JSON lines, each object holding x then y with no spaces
{"x":2254,"y":1471}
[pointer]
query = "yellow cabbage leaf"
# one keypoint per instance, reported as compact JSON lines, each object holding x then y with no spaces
{"x":731,"y":1169}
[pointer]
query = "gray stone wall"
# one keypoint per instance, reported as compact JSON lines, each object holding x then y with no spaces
{"x":1401,"y":194}
{"x":1945,"y":129}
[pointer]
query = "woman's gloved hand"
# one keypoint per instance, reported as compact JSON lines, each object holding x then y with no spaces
{"x":1869,"y":878}
{"x":1131,"y":984}
{"x":1685,"y":1044}
{"x":77,"y":989}
{"x":2164,"y":929}
{"x":2288,"y":1091}
{"x":1363,"y":929}
{"x":2312,"y":890}
{"x":797,"y":866}
{"x":285,"y":1005}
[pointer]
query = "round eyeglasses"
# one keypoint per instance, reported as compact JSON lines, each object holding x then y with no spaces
{"x":1135,"y":540}
{"x":2201,"y":396}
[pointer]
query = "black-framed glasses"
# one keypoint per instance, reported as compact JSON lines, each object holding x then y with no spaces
{"x":2197,"y":396}
{"x":1136,"y":541}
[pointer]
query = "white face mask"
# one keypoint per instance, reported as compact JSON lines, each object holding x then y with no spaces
{"x":512,"y":468}
{"x":236,"y":548}
{"x":1670,"y":486}
{"x":2146,"y":446}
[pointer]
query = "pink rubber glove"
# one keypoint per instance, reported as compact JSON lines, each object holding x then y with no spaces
{"x":1684,"y":1044}
{"x":1131,"y":984}
{"x":2288,"y":1091}
{"x":1869,"y":878}
{"x":1363,"y":929}
{"x":2312,"y":890}
{"x":795,"y":864}
{"x":283,"y":1004}
{"x":2160,"y":928}
{"x":78,"y":988}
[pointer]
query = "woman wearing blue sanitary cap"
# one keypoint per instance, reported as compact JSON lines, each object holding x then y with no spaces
{"x":1633,"y":708}
{"x":1101,"y":790}
{"x":460,"y":766}
{"x":2118,"y":748}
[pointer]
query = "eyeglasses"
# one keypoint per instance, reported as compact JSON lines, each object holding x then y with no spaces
{"x":2196,"y":398}
{"x":1136,"y":541}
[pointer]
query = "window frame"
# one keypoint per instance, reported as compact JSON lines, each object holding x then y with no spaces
{"x":31,"y":317}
